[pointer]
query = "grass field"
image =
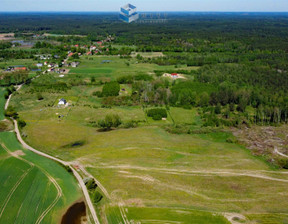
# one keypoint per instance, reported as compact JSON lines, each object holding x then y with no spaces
{"x":150,"y":175}
{"x":92,"y":66}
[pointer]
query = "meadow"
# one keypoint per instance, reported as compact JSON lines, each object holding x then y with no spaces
{"x":152,"y":176}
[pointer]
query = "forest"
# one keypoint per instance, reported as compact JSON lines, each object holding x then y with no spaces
{"x":242,"y":59}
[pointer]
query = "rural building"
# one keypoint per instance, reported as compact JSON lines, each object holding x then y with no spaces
{"x":62,"y":101}
{"x":20,"y":68}
{"x":39,"y":65}
{"x":74,"y":64}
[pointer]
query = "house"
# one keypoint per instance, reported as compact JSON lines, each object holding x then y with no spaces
{"x":74,"y":64}
{"x":174,"y":75}
{"x":92,"y":48}
{"x":70,"y":54}
{"x":89,"y":53}
{"x":20,"y":68}
{"x":62,"y":101}
{"x":39,"y":65}
{"x":76,"y":45}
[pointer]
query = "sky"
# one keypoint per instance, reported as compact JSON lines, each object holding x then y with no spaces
{"x":146,"y":5}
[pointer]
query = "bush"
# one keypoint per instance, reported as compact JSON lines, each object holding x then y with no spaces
{"x":130,"y":124}
{"x":97,"y":197}
{"x":97,"y":93}
{"x":11,"y":112}
{"x":91,"y":185}
{"x":157,"y":113}
{"x":111,"y":89}
{"x":157,"y":117}
{"x":21,"y":123}
{"x":39,"y":96}
{"x":111,"y":120}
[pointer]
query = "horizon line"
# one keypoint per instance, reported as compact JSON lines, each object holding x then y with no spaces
{"x":144,"y":11}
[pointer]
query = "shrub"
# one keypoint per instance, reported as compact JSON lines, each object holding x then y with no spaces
{"x":157,"y":117}
{"x":11,"y":112}
{"x":91,"y":185}
{"x":111,"y":120}
{"x":111,"y":89}
{"x":157,"y":113}
{"x":21,"y":123}
{"x":97,"y":197}
{"x":130,"y":124}
{"x":97,"y":93}
{"x":39,"y":96}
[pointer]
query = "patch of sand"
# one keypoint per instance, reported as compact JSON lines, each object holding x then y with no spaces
{"x":18,"y":153}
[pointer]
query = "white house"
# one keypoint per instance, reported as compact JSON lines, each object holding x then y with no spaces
{"x":62,"y":102}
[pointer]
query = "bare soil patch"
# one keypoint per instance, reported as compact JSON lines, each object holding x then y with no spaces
{"x":6,"y":36}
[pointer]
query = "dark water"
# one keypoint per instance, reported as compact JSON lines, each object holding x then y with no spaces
{"x":74,"y":214}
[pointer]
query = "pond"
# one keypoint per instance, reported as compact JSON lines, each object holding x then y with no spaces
{"x":76,"y":214}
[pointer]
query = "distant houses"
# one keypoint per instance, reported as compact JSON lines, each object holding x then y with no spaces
{"x":16,"y":68}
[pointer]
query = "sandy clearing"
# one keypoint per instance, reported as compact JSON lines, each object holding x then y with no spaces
{"x":18,"y":153}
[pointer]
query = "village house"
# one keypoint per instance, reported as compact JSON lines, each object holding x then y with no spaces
{"x":74,"y":64}
{"x":62,"y":101}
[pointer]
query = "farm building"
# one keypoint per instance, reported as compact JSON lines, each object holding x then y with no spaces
{"x":62,"y":101}
{"x":74,"y":64}
{"x":19,"y":68}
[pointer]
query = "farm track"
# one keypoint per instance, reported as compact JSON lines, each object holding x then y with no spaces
{"x":279,"y":153}
{"x":246,"y":173}
{"x":51,"y":179}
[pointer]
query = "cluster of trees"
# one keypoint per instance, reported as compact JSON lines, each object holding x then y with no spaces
{"x":14,"y":78}
{"x":48,"y":83}
{"x":110,"y":121}
{"x":5,"y":45}
{"x":109,"y":89}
